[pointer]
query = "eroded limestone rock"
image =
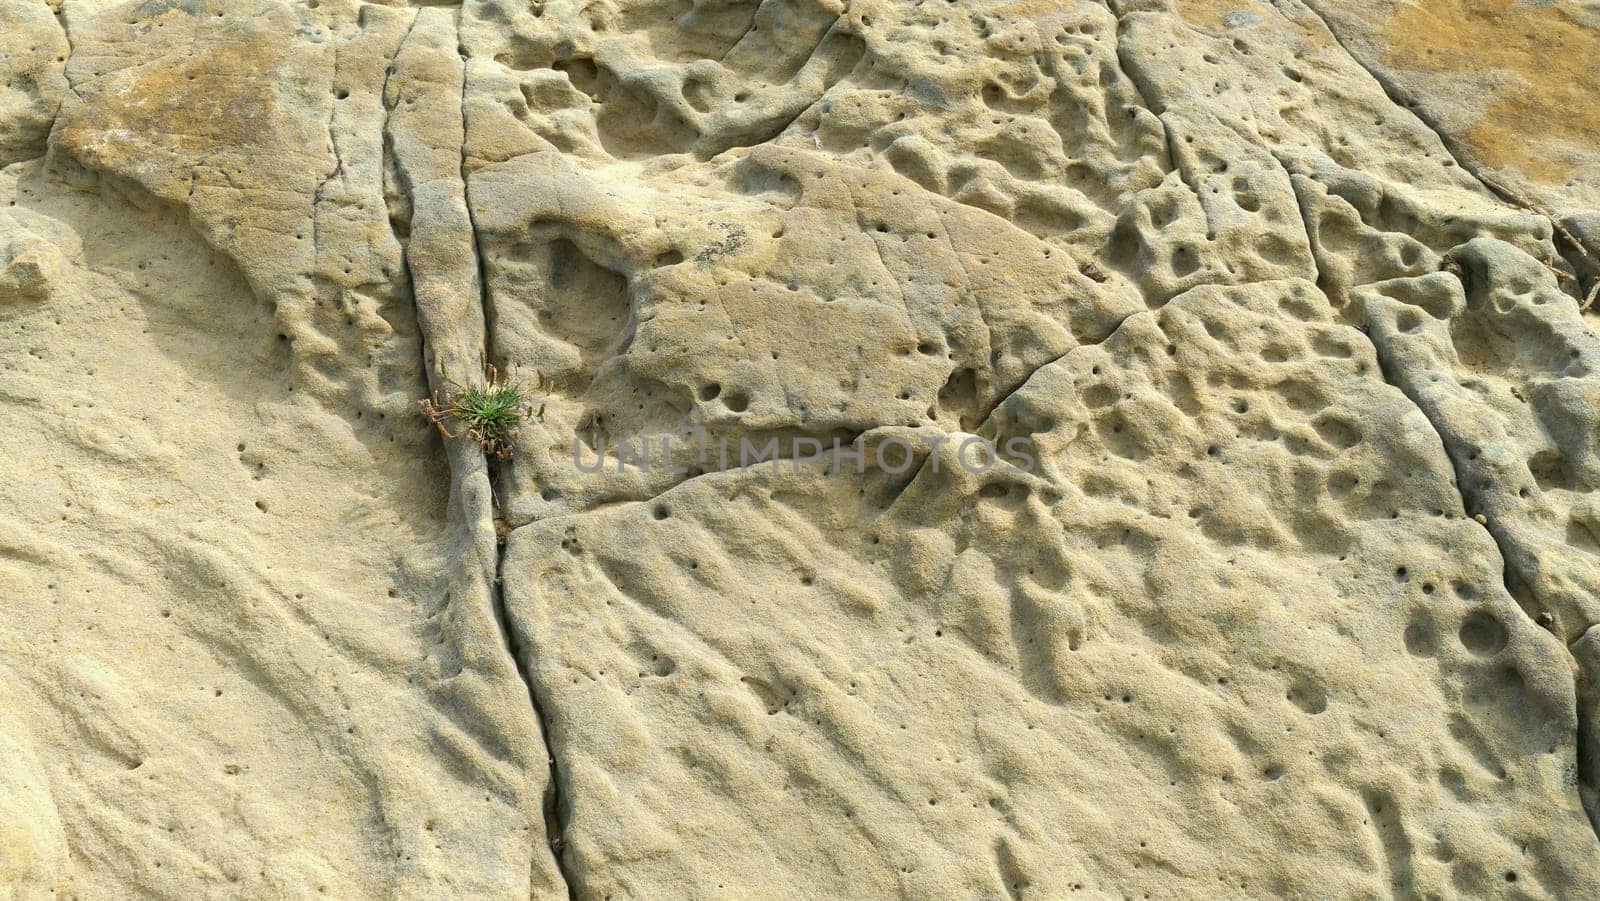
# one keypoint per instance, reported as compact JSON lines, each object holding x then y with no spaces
{"x":1279,"y":599}
{"x":1240,"y":580}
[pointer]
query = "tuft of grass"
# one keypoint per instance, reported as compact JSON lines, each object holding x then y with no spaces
{"x":489,"y":413}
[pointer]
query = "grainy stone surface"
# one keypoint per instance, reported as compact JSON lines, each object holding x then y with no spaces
{"x":1284,"y":584}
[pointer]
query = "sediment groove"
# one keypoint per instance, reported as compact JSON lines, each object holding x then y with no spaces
{"x":555,"y":812}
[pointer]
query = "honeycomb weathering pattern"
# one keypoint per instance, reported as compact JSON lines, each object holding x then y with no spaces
{"x":1293,"y":593}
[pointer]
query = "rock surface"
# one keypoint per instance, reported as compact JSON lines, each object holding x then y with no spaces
{"x":1281,"y":580}
{"x":1509,"y":85}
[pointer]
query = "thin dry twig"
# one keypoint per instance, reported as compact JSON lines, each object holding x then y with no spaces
{"x":1506,"y":192}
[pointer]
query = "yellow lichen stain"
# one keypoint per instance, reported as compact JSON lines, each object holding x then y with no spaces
{"x":221,"y":97}
{"x":1553,"y":64}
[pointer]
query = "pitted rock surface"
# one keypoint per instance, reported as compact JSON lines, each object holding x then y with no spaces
{"x":1279,"y":581}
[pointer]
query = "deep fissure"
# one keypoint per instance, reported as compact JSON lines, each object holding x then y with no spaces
{"x":554,"y":806}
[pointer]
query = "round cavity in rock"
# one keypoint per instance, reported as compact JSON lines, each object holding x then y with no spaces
{"x":1482,"y":634}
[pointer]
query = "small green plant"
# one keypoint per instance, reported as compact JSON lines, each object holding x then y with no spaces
{"x":488,"y":413}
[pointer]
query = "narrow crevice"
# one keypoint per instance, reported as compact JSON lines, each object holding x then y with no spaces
{"x":1588,"y":754}
{"x":1391,"y":379}
{"x":555,"y":805}
{"x":1125,"y":68}
{"x":401,"y":185}
{"x":1129,"y":69}
{"x":60,"y":14}
{"x":44,"y":149}
{"x":509,"y":640}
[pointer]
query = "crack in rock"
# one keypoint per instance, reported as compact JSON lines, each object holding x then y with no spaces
{"x":1275,"y":573}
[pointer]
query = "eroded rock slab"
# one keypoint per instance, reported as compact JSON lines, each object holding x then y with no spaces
{"x":1239,"y":580}
{"x":251,"y":646}
{"x":1283,"y":585}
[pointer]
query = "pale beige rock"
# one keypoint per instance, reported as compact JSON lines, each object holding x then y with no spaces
{"x":1502,"y":364}
{"x":1097,"y":676}
{"x":263,"y":656}
{"x":1280,"y":604}
{"x":838,"y":305}
{"x":233,"y":642}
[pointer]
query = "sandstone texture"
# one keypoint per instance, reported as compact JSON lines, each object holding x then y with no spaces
{"x":1509,"y":85}
{"x":1282,"y":578}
